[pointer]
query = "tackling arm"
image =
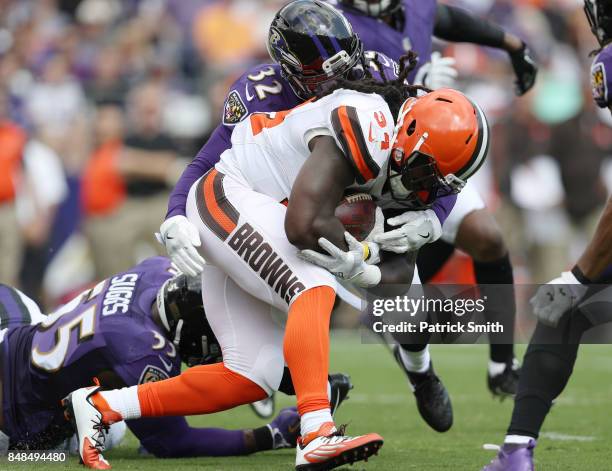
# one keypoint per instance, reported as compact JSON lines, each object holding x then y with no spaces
{"x":457,"y":25}
{"x":205,"y":159}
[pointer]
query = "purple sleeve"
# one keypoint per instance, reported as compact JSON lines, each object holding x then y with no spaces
{"x":207,"y":157}
{"x":443,"y":206}
{"x":172,"y":437}
{"x":601,"y":77}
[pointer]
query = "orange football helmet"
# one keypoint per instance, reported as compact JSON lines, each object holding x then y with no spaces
{"x":441,"y":139}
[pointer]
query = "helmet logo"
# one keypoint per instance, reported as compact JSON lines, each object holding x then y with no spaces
{"x":275,"y":37}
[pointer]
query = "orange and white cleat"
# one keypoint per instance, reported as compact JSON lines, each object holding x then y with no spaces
{"x":328,"y":448}
{"x":90,"y":424}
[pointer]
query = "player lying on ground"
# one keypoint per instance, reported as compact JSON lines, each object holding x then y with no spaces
{"x":309,"y":155}
{"x":561,"y":305}
{"x":134,"y":328}
{"x":393,"y":27}
{"x":303,"y":68}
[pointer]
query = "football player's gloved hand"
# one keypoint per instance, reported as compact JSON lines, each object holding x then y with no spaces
{"x":417,"y":228}
{"x":180,"y":237}
{"x":555,"y":298}
{"x":350,"y":265}
{"x":525,"y":69}
{"x":439,"y":72}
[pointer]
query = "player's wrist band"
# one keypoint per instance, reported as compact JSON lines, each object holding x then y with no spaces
{"x":580,"y":276}
{"x":366,"y":251}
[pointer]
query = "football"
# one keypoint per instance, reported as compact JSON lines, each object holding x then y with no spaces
{"x":358,"y":214}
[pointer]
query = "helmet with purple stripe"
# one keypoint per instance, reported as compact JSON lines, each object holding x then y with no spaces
{"x":315,"y":45}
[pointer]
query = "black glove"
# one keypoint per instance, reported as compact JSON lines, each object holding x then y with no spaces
{"x":525,"y":69}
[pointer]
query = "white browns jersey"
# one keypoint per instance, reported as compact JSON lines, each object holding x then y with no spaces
{"x":269,"y":149}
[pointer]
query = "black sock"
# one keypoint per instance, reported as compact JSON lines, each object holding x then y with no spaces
{"x":500,"y":304}
{"x":413,"y":347}
{"x":546,"y":370}
{"x":432,"y":257}
{"x":263,"y":438}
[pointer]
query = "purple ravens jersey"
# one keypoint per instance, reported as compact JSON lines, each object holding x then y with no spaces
{"x":108,"y":328}
{"x":416,"y":33}
{"x":601,"y":77}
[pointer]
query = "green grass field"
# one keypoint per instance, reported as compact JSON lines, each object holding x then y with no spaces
{"x":577,"y":434}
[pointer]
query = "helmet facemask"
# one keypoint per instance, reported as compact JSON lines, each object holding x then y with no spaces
{"x":309,"y":81}
{"x":419,"y":182}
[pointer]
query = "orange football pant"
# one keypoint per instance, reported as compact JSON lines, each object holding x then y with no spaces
{"x":201,"y":389}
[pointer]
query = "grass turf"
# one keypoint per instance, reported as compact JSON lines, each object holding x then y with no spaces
{"x":577,"y":433}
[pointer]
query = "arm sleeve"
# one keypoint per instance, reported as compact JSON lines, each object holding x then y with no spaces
{"x":443,"y":206}
{"x":172,"y":437}
{"x":207,"y":157}
{"x":365,"y":154}
{"x":457,"y":25}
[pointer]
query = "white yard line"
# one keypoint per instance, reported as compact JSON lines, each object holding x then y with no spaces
{"x":562,"y":437}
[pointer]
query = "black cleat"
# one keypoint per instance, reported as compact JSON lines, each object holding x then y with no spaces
{"x":505,"y":384}
{"x":340,"y":387}
{"x":433,"y":401}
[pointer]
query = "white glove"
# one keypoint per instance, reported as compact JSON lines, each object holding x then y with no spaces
{"x":439,"y":72}
{"x":555,"y":298}
{"x":181,"y":239}
{"x":417,"y":229}
{"x":349,"y":265}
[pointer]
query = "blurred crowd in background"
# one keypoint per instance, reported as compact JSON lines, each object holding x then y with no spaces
{"x":103,"y":102}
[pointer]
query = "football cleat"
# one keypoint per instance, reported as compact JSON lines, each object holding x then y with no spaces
{"x":285,"y":428}
{"x":91,"y":425}
{"x":433,"y":401}
{"x":505,"y":384}
{"x":328,"y":448}
{"x":512,"y":457}
{"x":264,"y":409}
{"x":340,"y":386}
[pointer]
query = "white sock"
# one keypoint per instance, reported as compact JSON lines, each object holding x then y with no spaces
{"x":496,"y":368}
{"x":124,"y":400}
{"x":416,"y":362}
{"x":312,"y":421}
{"x":517,"y":439}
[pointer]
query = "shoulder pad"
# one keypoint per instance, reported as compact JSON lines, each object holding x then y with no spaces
{"x":259,"y":89}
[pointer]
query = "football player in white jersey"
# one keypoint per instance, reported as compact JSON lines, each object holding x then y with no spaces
{"x":405,"y":149}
